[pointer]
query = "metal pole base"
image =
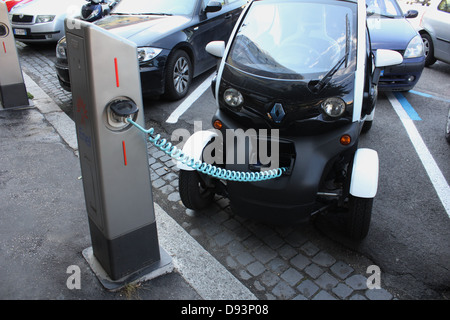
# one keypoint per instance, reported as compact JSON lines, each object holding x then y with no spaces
{"x":158,"y":268}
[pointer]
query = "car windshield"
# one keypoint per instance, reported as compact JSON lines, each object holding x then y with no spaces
{"x":295,"y":40}
{"x":165,"y":7}
{"x":384,"y":8}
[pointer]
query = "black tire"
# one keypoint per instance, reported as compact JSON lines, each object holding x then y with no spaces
{"x":178,"y":75}
{"x":428,"y":49}
{"x":193,"y":192}
{"x":367,"y":125}
{"x":358,"y":217}
{"x":447,"y":127}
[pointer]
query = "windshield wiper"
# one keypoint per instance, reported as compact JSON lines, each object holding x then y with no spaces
{"x":371,"y":13}
{"x":324,"y":81}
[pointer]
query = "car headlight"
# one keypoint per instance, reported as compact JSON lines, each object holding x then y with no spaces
{"x":147,"y":53}
{"x":414,"y":48}
{"x":45,"y":18}
{"x":333,"y":107}
{"x":233,"y":98}
{"x":61,"y":48}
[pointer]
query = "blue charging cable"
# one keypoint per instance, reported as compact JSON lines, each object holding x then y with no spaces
{"x":206,"y":168}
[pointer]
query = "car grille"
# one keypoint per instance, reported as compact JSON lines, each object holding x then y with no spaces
{"x":22,"y":18}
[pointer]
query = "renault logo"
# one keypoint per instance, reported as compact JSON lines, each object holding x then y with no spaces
{"x":277,"y":113}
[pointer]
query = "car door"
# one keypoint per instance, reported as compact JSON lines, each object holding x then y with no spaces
{"x":213,"y":26}
{"x":440,"y":23}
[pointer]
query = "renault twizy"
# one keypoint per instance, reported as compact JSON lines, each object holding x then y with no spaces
{"x":297,"y":79}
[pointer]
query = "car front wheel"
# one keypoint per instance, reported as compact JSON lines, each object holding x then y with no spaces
{"x":428,"y":49}
{"x":178,"y":75}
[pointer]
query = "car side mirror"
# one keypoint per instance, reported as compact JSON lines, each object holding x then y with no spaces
{"x":216,"y":48}
{"x":411,"y":14}
{"x":213,"y":6}
{"x":385,"y":58}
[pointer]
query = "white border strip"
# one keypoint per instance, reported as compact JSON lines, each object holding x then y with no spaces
{"x":437,"y":178}
{"x":189,"y":101}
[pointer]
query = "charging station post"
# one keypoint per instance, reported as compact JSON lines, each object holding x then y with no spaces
{"x":106,"y":89}
{"x":13,"y":93}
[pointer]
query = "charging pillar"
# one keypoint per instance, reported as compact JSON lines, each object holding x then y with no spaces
{"x":12,"y":87}
{"x":106,"y":88}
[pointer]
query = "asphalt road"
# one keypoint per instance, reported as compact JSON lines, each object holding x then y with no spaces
{"x":410,"y":231}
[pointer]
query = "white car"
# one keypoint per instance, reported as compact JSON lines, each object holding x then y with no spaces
{"x":43,"y":20}
{"x":435,"y":32}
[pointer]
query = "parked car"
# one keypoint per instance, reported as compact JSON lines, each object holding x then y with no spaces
{"x":390,"y":29}
{"x":435,"y":32}
{"x":42,"y":20}
{"x":171,"y":36}
{"x":11,"y":3}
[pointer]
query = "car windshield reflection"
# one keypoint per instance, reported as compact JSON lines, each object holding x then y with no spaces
{"x":156,"y":7}
{"x":294,"y":40}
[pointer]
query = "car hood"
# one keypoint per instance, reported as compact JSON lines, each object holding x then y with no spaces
{"x":142,"y":29}
{"x":387,"y":33}
{"x":46,"y":7}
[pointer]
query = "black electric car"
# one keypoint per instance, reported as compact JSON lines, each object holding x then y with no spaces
{"x":171,"y":36}
{"x":298,"y":79}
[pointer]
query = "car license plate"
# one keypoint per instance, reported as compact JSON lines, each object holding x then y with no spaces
{"x":20,"y":32}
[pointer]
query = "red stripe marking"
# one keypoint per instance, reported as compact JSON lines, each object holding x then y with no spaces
{"x":117,"y":72}
{"x":124,"y":153}
{"x":4,"y":47}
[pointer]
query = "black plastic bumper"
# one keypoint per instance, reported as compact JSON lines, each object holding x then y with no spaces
{"x":293,"y":196}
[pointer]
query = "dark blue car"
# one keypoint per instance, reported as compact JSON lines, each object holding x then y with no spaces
{"x":390,"y":29}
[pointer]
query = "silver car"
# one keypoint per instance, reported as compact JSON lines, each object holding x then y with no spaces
{"x":42,"y":20}
{"x":436,"y":32}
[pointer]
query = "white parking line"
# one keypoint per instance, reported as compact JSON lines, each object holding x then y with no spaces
{"x":437,"y":178}
{"x":176,"y":114}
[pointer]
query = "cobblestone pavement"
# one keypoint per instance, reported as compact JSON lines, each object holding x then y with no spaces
{"x":289,"y":262}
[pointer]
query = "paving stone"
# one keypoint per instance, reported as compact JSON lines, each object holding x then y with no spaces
{"x":244,"y":275}
{"x":292,"y":276}
{"x":161,"y":171}
{"x":220,"y":217}
{"x":287,"y":251}
{"x":278,"y":265}
{"x":269,"y":278}
{"x":378,"y":294}
{"x":158,"y":183}
{"x":324,"y":259}
{"x":283,"y":290}
{"x":300,"y":261}
{"x":309,"y":248}
{"x":274,"y":241}
{"x":326,"y":281}
{"x":313,"y":270}
{"x":156,"y":165}
{"x":357,"y":282}
{"x":256,"y":268}
{"x":167,"y":189}
{"x":235,"y":248}
{"x":175,"y":196}
{"x":223,"y":238}
{"x":245,"y":258}
{"x":307,"y":288}
{"x":264,"y":254}
{"x":342,"y":291}
{"x":258,"y":286}
{"x":357,"y":297}
{"x":231,"y":263}
{"x":323,"y":295}
{"x":299,"y":297}
{"x":341,"y":269}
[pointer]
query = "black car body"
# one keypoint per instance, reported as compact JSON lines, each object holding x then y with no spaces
{"x":171,"y":37}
